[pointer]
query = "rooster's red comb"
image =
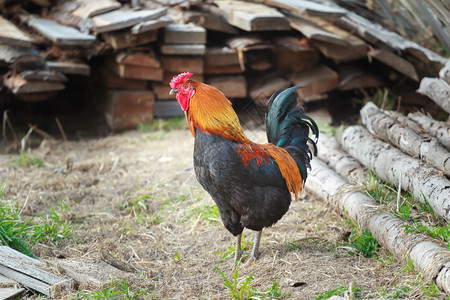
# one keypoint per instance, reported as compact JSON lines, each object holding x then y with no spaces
{"x":180,"y":78}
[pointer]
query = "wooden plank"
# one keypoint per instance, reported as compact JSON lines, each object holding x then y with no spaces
{"x":220,"y":70}
{"x":261,"y":91}
{"x":183,"y":49}
{"x":340,"y":54}
{"x":353,"y":77}
{"x":211,"y":19}
{"x":89,"y":9}
{"x":395,"y":62}
{"x":184,"y":34}
{"x":69,"y":67}
{"x":27,"y":271}
{"x":216,"y":57}
{"x":151,"y":25}
{"x":168,"y":109}
{"x":8,"y":293}
{"x":10,"y":54}
{"x":126,"y":39}
{"x":135,"y":72}
{"x":11,"y":35}
{"x":295,"y":54}
{"x":316,"y":81}
{"x":18,"y":85}
{"x":313,"y":31}
{"x":128,"y":108}
{"x":43,"y":75}
{"x":6,"y":282}
{"x":144,"y":59}
{"x":111,"y":80}
{"x":231,"y":86}
{"x":61,"y":34}
{"x":123,"y":18}
{"x":178,"y":64}
{"x":252,"y":16}
{"x":312,"y":8}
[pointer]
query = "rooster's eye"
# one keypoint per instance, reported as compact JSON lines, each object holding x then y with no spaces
{"x":185,"y":86}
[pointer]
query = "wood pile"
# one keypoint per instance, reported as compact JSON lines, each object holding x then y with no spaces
{"x":129,"y":52}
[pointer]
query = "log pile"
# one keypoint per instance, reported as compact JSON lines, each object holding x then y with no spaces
{"x":405,"y":151}
{"x":248,"y":49}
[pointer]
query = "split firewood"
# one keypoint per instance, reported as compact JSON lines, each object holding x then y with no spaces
{"x":331,"y":152}
{"x":404,"y":138}
{"x":444,"y":73}
{"x":427,"y":255}
{"x":426,"y":183}
{"x":438,"y":129}
{"x":437,"y":90}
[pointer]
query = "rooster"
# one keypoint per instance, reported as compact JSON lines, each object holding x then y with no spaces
{"x":251,"y":184}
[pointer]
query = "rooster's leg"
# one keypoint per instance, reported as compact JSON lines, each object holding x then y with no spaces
{"x":238,"y":251}
{"x":255,"y":250}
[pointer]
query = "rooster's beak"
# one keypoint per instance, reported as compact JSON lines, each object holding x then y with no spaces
{"x":173,"y":91}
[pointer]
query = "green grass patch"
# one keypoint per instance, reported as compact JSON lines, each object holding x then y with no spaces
{"x":339,"y":291}
{"x":24,"y":160}
{"x":115,"y":290}
{"x":176,"y":123}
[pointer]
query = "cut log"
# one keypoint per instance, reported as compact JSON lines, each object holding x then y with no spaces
{"x":437,"y":90}
{"x":126,"y":39}
{"x":387,"y":129}
{"x":423,"y":181}
{"x":444,"y":73}
{"x":28,"y":272}
{"x":316,"y":81}
{"x":231,"y":86}
{"x":69,"y":67}
{"x":11,"y":35}
{"x":438,"y":129}
{"x":126,"y":109}
{"x":396,"y":62}
{"x":135,"y":72}
{"x":183,"y":49}
{"x":61,"y":34}
{"x":330,"y":151}
{"x":426,"y":254}
{"x":295,"y":54}
{"x":252,"y":16}
{"x":184,"y":34}
{"x":178,"y":64}
{"x":123,"y":18}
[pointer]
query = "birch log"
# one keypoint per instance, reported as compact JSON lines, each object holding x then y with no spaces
{"x":387,"y":129}
{"x":427,"y":255}
{"x":392,"y":165}
{"x":437,"y":90}
{"x":438,"y":129}
{"x":329,"y":150}
{"x":444,"y":73}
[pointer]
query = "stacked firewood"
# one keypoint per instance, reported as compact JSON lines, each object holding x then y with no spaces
{"x":246,"y":49}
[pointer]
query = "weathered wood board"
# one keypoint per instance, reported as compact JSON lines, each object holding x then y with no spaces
{"x":261,"y":91}
{"x":61,"y":34}
{"x":128,"y":108}
{"x":143,"y":59}
{"x":316,"y":81}
{"x":395,"y":62}
{"x":123,"y":18}
{"x":69,"y":67}
{"x":301,"y":7}
{"x":125,"y":39}
{"x":10,"y":54}
{"x":172,"y":49}
{"x":88,"y":9}
{"x":184,"y":34}
{"x":178,"y":64}
{"x":11,"y":35}
{"x":113,"y":81}
{"x":295,"y":54}
{"x":215,"y":57}
{"x":28,"y":272}
{"x":135,"y":72}
{"x":18,"y":85}
{"x":168,"y":109}
{"x":252,"y":16}
{"x":232,"y":86}
{"x":352,"y":77}
{"x":151,"y":25}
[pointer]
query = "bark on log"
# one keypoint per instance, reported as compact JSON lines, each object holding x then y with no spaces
{"x":392,"y":165}
{"x":444,"y":73}
{"x":428,"y":256}
{"x":437,"y":90}
{"x":438,"y":129}
{"x":387,"y":129}
{"x":408,"y":122}
{"x":329,"y":150}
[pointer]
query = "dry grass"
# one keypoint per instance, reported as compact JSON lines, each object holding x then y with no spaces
{"x":139,"y":215}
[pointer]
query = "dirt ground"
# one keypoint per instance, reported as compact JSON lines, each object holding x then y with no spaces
{"x":138,"y":215}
